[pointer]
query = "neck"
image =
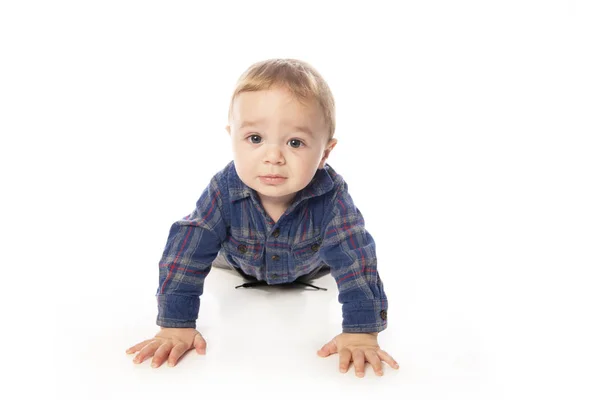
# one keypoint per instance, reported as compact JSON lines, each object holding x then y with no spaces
{"x":277,"y":202}
{"x":277,"y":206}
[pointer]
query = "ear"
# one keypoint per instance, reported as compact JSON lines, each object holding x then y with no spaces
{"x":330,"y":146}
{"x":228,"y":129}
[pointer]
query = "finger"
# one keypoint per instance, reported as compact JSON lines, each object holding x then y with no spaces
{"x":176,"y":353}
{"x":328,"y":349}
{"x":161,"y":354}
{"x":138,"y":346}
{"x":146,"y":351}
{"x":358,"y":358}
{"x":375,"y":362}
{"x":200,"y":344}
{"x":388,"y":359}
{"x":345,"y":356}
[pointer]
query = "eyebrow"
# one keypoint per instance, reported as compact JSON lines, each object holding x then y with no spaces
{"x":245,"y":124}
{"x":301,"y":128}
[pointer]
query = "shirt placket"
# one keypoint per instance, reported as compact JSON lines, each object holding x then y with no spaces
{"x":276,"y":256}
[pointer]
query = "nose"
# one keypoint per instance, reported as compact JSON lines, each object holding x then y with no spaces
{"x":273,"y":154}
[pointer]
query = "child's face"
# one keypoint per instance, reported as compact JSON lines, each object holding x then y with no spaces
{"x":273,"y":134}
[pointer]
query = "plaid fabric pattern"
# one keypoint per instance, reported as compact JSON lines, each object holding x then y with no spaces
{"x":322,"y":226}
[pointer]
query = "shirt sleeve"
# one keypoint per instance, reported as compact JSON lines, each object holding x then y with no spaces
{"x":192,"y":245}
{"x":349,"y":250}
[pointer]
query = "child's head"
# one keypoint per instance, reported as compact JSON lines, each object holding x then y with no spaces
{"x":281,"y":122}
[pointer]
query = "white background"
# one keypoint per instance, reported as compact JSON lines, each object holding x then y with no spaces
{"x":468,"y":134}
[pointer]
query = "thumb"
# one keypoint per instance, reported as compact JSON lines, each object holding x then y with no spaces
{"x":328,"y":349}
{"x":200,"y":344}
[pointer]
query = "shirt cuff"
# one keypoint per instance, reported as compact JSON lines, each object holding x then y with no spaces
{"x":176,"y":311}
{"x":364,"y":316}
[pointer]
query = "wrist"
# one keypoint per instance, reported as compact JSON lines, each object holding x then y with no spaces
{"x":362,"y":333}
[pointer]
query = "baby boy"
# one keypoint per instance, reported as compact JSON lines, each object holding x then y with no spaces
{"x":279,"y":215}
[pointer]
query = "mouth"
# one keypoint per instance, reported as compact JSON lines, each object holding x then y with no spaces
{"x":272,"y":179}
{"x":273,"y":176}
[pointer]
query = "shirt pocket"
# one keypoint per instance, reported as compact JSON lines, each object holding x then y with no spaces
{"x":307,"y":251}
{"x":245,"y":251}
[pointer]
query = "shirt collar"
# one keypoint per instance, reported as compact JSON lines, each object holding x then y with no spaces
{"x":320,"y":184}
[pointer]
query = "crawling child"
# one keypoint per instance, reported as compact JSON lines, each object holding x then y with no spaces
{"x":277,"y":214}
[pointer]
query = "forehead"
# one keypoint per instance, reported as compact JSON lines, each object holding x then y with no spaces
{"x":275,"y":105}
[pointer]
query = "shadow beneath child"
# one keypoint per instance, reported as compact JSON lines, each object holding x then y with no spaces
{"x":302,"y":283}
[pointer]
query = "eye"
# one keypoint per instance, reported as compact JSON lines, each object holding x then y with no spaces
{"x":296,"y":143}
{"x":254,"y":139}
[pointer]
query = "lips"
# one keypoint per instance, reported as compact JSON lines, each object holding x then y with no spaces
{"x":272,"y":179}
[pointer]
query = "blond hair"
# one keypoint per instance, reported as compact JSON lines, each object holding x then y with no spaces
{"x":299,"y":77}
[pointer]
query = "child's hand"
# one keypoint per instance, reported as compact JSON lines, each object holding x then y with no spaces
{"x":171,"y":343}
{"x":357,"y":347}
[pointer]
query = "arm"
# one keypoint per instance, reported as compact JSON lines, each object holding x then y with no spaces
{"x":350,"y":252}
{"x":192,"y":245}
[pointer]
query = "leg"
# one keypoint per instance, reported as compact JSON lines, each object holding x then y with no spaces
{"x":221,"y":262}
{"x":318,"y":272}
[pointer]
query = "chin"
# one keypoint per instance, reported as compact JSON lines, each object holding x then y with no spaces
{"x":274,"y":191}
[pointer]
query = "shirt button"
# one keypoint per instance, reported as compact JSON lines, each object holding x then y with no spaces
{"x":276,"y":232}
{"x":275,"y":258}
{"x":315,"y":247}
{"x":242,"y":248}
{"x":383,"y":314}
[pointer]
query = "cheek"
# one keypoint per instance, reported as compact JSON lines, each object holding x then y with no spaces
{"x":309,"y":165}
{"x":240,"y":152}
{"x":318,"y":156}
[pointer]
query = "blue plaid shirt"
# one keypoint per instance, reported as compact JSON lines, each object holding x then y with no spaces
{"x":322,"y":226}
